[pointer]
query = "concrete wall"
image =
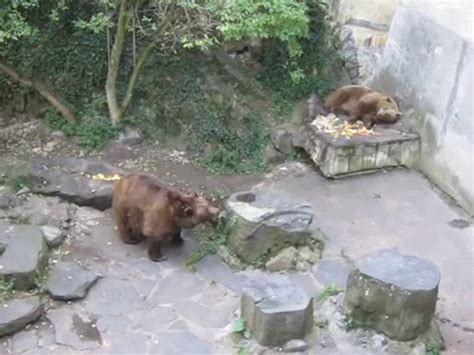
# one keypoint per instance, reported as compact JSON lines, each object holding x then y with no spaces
{"x":368,"y":19}
{"x":431,"y":69}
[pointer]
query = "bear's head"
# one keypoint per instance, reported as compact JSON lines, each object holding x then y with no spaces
{"x":388,"y":111}
{"x":194,"y":209}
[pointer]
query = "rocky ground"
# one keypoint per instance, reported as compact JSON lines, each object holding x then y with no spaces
{"x":139,"y":307}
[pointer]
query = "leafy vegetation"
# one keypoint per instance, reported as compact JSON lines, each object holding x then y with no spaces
{"x":210,"y":240}
{"x":329,"y":292}
{"x":151,"y":64}
{"x":7,"y":289}
{"x":432,"y":349}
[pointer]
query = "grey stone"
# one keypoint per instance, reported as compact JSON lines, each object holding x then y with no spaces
{"x":267,"y":222}
{"x":284,"y":260}
{"x":75,"y":329}
{"x":155,"y":319}
{"x":275,"y":311}
{"x":54,"y":235}
{"x":24,"y":255}
{"x":23,"y":341}
{"x":71,"y":179}
{"x":282,"y":139}
{"x":309,"y":255}
{"x":340,"y":156}
{"x":69,"y":281}
{"x":180,"y":343}
{"x":295,"y":346}
{"x":332,"y":272}
{"x":203,"y":316}
{"x":169,"y":291}
{"x":130,"y":136}
{"x":393,"y":293}
{"x":7,"y":200}
{"x":5,"y":235}
{"x":17,"y":313}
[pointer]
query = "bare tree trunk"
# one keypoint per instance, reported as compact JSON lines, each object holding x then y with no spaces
{"x":114,"y":64}
{"x":133,"y":78}
{"x":42,"y":88}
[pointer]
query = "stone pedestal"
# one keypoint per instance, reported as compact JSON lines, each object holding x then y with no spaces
{"x":275,"y":311}
{"x":340,"y":156}
{"x":267,"y":222}
{"x":393,"y":293}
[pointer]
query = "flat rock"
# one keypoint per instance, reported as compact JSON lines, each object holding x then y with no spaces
{"x":72,"y":180}
{"x":332,"y":272}
{"x":24,"y":255}
{"x":340,"y":156}
{"x":295,"y":346}
{"x":393,"y":293}
{"x":17,"y":313}
{"x":7,"y":199}
{"x":267,"y":222}
{"x":54,"y":235}
{"x":130,"y":136}
{"x":69,"y":281}
{"x":284,"y":260}
{"x":275,"y":311}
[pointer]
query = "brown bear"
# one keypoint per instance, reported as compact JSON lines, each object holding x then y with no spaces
{"x":362,"y":103}
{"x":145,"y":208}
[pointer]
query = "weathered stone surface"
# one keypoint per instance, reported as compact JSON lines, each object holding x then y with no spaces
{"x":69,"y":281}
{"x":7,"y":199}
{"x":275,"y":311}
{"x":393,"y":293}
{"x":332,"y":272}
{"x":361,"y":153}
{"x":180,"y":343}
{"x":295,"y":346}
{"x":17,"y":313}
{"x":130,"y":136}
{"x":282,"y":139}
{"x":24,"y":254}
{"x":284,"y":260}
{"x":71,"y":179}
{"x":267,"y":222}
{"x":75,"y":329}
{"x":5,"y":235}
{"x":54,"y":235}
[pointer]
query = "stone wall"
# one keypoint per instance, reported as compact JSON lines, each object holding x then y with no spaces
{"x":430,"y":69}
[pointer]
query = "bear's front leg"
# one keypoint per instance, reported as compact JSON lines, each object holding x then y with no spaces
{"x":368,"y":122}
{"x":176,"y":239}
{"x":154,"y":250}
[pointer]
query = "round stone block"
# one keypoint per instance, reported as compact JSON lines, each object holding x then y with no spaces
{"x":393,"y":293}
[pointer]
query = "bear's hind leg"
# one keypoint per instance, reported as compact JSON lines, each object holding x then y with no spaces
{"x":124,"y":228}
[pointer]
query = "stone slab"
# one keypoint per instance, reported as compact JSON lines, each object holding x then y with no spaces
{"x":25,"y":254}
{"x":340,"y":156}
{"x":17,"y":313}
{"x":69,"y":281}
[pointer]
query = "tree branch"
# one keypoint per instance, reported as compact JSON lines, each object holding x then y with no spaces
{"x":42,"y":89}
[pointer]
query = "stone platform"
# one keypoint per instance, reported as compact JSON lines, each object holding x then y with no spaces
{"x":337,"y":156}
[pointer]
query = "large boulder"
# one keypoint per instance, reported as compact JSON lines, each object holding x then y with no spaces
{"x":24,"y":255}
{"x":393,"y":293}
{"x":267,"y":222}
{"x":17,"y":313}
{"x":73,"y":180}
{"x":275,"y":311}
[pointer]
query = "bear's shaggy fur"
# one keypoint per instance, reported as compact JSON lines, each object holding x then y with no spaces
{"x":145,"y":208}
{"x":362,"y":103}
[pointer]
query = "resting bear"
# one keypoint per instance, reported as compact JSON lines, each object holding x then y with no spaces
{"x":145,"y":208}
{"x":362,"y":103}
